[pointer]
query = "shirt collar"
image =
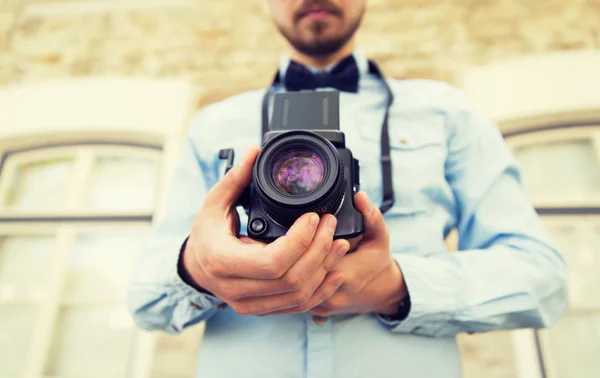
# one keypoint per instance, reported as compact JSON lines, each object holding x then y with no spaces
{"x":361,"y":62}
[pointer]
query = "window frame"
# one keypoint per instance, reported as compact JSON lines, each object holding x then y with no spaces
{"x":83,"y":158}
{"x":64,"y":227}
{"x":574,"y":132}
{"x":532,"y":352}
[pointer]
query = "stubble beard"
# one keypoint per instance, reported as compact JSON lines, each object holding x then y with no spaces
{"x":321,"y":46}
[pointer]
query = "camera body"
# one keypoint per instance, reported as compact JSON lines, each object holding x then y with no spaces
{"x":304,"y":166}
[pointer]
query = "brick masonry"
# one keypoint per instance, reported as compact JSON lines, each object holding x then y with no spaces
{"x":214,"y":44}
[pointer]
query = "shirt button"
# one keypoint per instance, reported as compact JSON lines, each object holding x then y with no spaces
{"x":319,"y":319}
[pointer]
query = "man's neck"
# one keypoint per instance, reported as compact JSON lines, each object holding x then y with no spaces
{"x":322,"y":62}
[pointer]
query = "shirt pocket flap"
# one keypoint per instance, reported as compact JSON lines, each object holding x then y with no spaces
{"x":409,"y":133}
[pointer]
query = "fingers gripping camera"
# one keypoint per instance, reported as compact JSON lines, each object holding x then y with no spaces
{"x":304,"y":166}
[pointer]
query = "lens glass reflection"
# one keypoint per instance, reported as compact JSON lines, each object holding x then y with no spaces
{"x":298,"y":171}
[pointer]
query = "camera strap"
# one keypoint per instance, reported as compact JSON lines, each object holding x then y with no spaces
{"x":386,"y":160}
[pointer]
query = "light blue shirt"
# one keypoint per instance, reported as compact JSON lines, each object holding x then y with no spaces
{"x":451,"y":169}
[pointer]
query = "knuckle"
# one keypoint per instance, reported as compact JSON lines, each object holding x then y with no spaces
{"x":386,"y":231}
{"x":225,"y":292}
{"x":293,"y":281}
{"x":304,"y":241}
{"x":277,"y":265}
{"x":351,"y":286}
{"x":326,"y":241}
{"x":229,"y":292}
{"x":197,"y":247}
{"x":329,"y":302}
{"x":242,"y":309}
{"x":329,"y":263}
{"x":302,"y":297}
{"x":335,"y":301}
{"x":207,"y":261}
{"x":376,"y":214}
{"x":269,"y":271}
{"x":212,"y":195}
{"x":349,"y":279}
{"x":271,"y":267}
{"x":338,"y":301}
{"x":231,"y":177}
{"x":214,"y":265}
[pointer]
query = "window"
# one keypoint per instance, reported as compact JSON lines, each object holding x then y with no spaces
{"x":72,"y":219}
{"x":561,"y":174}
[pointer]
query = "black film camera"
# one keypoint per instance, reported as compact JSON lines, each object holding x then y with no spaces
{"x":304,"y":166}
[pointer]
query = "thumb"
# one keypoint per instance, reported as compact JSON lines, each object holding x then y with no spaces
{"x":375,"y":226}
{"x":226,"y":192}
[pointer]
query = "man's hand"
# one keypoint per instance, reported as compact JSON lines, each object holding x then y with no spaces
{"x":254,"y":278}
{"x":373,"y":280}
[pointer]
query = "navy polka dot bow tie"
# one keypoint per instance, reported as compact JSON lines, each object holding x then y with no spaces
{"x":343,"y":77}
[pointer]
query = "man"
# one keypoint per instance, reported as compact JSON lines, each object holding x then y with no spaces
{"x":304,"y":307}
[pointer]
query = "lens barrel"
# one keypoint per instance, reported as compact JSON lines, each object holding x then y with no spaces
{"x":298,"y":172}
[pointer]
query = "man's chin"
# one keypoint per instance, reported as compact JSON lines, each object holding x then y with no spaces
{"x":321,"y":37}
{"x":318,"y":49}
{"x":317,"y":43}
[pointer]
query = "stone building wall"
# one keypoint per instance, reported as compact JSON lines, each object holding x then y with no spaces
{"x":228,"y":46}
{"x":214,"y":43}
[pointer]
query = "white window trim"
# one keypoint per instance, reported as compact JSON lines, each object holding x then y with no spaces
{"x":45,"y":326}
{"x":84,"y":158}
{"x":531,"y":351}
{"x":580,"y":223}
{"x":543,"y":337}
{"x":132,"y":111}
{"x":65,"y":234}
{"x":536,"y":137}
{"x":525,"y":353}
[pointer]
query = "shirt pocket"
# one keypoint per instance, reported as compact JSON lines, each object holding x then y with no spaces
{"x":418,"y":151}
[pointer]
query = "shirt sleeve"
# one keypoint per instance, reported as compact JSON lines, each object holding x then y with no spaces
{"x":158,"y":298}
{"x":506,"y":274}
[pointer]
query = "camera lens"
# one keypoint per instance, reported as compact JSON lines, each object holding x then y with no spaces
{"x":298,"y":172}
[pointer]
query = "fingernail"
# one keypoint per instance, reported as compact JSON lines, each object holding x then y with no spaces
{"x":338,"y":282}
{"x":332,"y":222}
{"x":313,"y":222}
{"x":341,"y":250}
